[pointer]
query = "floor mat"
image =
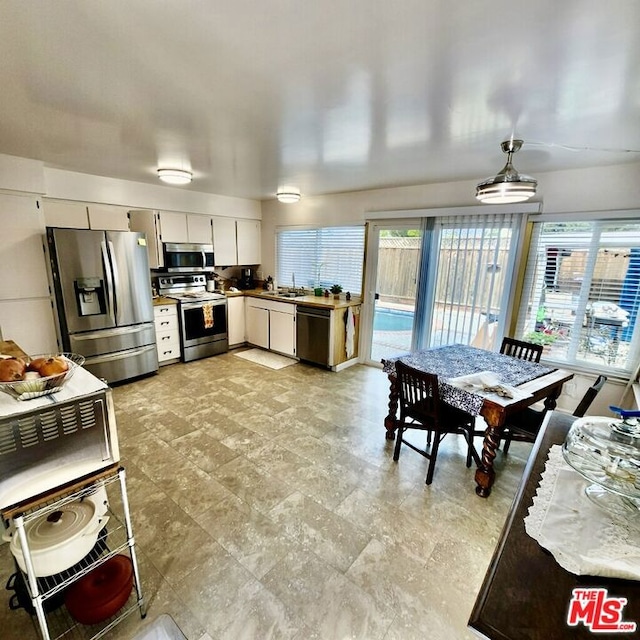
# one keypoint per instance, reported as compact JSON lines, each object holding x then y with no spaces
{"x":162,"y":628}
{"x":266,"y":358}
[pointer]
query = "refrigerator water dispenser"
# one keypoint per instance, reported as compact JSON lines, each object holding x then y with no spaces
{"x":90,"y":296}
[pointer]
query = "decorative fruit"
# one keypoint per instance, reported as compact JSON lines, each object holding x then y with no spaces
{"x":12,"y":369}
{"x":35,"y":364}
{"x":53,"y":367}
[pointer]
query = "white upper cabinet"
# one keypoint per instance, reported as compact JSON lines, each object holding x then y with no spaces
{"x":108,"y":217}
{"x":248,"y":241}
{"x":173,"y":227}
{"x":62,"y":213}
{"x":236,"y":242}
{"x":80,"y":215}
{"x":22,"y":261}
{"x":199,"y":229}
{"x":148,"y":222}
{"x":225,"y":252}
{"x":25,"y":304}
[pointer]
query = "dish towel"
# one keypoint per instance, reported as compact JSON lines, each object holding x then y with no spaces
{"x":207,"y":311}
{"x":351,"y":332}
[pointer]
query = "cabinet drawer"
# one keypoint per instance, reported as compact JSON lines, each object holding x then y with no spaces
{"x":166,"y":323}
{"x":165,"y":310}
{"x":168,"y":345}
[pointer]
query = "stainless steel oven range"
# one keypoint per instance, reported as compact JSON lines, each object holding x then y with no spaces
{"x":202,"y":315}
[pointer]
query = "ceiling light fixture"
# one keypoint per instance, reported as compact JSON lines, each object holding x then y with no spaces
{"x":288,"y":195}
{"x":175,"y":176}
{"x":508,"y":186}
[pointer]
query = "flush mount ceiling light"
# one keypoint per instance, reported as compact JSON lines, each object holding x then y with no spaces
{"x":175,"y":176}
{"x":288,"y":195}
{"x":508,"y":186}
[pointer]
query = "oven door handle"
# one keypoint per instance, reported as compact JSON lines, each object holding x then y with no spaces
{"x":199,"y":305}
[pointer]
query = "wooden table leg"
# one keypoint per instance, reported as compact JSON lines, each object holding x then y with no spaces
{"x":485,"y":473}
{"x":390,"y":420}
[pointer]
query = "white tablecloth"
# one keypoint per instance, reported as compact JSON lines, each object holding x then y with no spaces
{"x":584,"y":538}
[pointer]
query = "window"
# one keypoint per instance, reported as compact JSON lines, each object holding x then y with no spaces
{"x":321,"y":258}
{"x":582,"y":293}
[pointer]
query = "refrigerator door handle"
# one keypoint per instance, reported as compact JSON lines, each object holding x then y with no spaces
{"x":116,"y":277}
{"x":109,"y":278}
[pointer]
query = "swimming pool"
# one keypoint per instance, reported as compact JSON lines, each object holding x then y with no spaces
{"x":392,"y":320}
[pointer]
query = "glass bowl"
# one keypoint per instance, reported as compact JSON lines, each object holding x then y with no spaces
{"x":35,"y":387}
{"x":606,"y":452}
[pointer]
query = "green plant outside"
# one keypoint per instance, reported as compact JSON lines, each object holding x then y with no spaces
{"x":539,"y":337}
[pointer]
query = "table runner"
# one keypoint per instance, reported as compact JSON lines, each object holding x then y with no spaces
{"x":453,"y":361}
{"x":582,"y":537}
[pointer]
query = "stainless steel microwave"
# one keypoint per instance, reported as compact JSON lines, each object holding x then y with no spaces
{"x":182,"y":256}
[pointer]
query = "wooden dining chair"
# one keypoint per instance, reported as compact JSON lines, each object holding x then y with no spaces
{"x":525,"y":425}
{"x":521,"y":349}
{"x":422,"y":409}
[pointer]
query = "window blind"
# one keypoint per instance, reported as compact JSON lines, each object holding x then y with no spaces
{"x":582,"y":293}
{"x":321,"y":257}
{"x":471,"y":267}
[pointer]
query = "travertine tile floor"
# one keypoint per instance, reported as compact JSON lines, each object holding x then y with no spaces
{"x":266,"y":505}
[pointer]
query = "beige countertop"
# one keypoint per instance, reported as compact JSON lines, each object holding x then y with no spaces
{"x":160,"y":300}
{"x":307,"y":301}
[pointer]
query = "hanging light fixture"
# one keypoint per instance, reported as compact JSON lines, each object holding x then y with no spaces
{"x":288,"y":195}
{"x":175,"y":176}
{"x":508,"y":186}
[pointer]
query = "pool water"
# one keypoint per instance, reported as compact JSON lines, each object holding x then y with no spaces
{"x":392,"y":320}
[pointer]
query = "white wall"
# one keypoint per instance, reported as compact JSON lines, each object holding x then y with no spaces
{"x":594,"y":189}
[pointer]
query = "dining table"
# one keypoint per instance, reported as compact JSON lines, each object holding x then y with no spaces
{"x":529,"y":383}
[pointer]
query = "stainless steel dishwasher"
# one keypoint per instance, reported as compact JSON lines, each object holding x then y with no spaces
{"x":313,"y":326}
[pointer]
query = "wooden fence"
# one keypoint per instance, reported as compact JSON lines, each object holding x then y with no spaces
{"x":463,"y":276}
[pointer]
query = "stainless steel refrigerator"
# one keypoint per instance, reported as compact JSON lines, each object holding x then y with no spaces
{"x":103,"y":296}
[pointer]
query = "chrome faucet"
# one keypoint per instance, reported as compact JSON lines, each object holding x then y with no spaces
{"x":293,"y":279}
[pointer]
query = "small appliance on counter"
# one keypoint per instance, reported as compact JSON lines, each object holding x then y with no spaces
{"x":246,"y":280}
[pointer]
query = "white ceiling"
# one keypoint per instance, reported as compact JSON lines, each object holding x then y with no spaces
{"x":329,"y":96}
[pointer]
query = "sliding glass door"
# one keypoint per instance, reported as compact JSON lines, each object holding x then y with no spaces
{"x":467,"y":280}
{"x":438,"y":280}
{"x":394,"y":253}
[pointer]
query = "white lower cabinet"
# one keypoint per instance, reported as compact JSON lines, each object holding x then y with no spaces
{"x":271,"y":325}
{"x":235,"y":321}
{"x":167,"y":333}
{"x":257,"y":322}
{"x":282,"y":330}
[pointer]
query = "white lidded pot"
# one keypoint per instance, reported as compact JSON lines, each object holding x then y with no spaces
{"x":61,"y":538}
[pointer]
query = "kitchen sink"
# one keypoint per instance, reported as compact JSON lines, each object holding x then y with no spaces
{"x":283,"y":294}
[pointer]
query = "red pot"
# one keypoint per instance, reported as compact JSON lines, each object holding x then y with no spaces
{"x":102,"y":592}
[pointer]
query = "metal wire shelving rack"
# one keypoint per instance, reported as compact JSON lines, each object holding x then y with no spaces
{"x":116,"y":538}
